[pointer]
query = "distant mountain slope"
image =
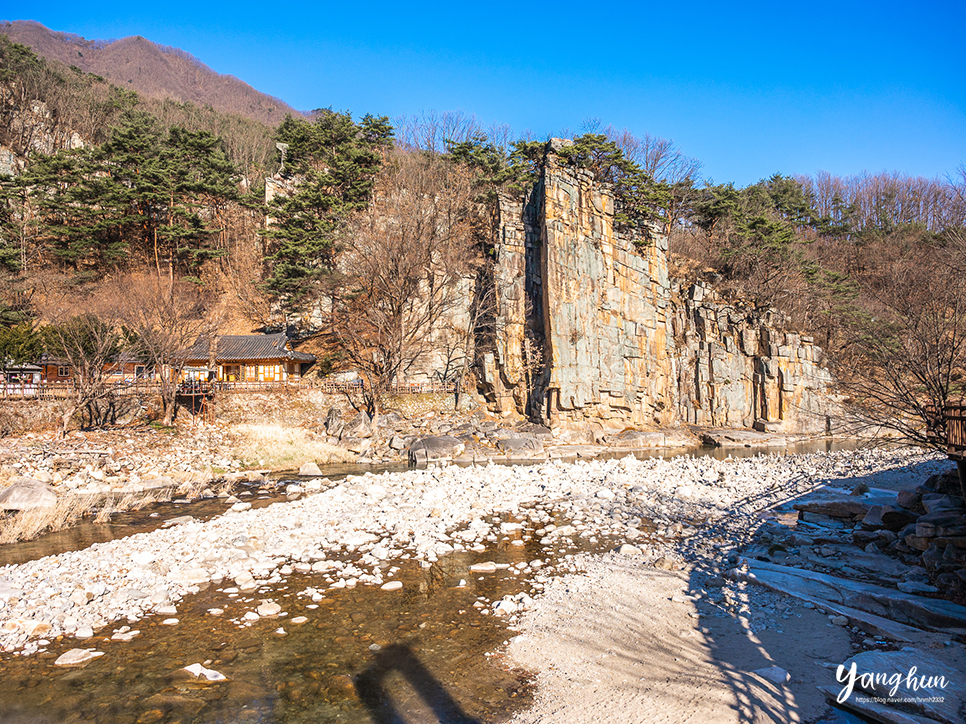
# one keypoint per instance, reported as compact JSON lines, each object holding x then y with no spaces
{"x":150,"y":69}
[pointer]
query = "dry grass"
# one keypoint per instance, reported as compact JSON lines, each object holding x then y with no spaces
{"x":282,"y":447}
{"x":20,"y":416}
{"x":29,"y":524}
{"x":69,"y":509}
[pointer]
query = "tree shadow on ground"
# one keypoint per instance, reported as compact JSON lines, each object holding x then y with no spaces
{"x":419,"y":697}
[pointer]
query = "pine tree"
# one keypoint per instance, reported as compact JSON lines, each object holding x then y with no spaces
{"x":333,"y":163}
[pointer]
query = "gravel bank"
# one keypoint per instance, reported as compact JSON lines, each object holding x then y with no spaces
{"x":656,"y":507}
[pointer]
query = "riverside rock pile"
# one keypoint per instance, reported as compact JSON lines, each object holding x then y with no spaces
{"x":478,"y":438}
{"x":119,"y":461}
{"x":924,"y":527}
{"x":355,"y":530}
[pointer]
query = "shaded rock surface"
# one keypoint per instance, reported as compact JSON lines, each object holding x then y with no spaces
{"x":27,"y":494}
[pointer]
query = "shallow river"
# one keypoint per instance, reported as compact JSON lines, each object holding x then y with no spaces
{"x":363,"y":655}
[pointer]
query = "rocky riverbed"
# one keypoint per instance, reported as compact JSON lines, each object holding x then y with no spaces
{"x":655,"y":506}
{"x":689,"y":521}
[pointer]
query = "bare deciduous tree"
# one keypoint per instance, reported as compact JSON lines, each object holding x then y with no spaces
{"x":165,"y":317}
{"x":430,"y":130}
{"x":904,"y":356}
{"x":85,"y":332}
{"x":405,"y":266}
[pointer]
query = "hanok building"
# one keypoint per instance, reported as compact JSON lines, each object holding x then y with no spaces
{"x":245,"y":358}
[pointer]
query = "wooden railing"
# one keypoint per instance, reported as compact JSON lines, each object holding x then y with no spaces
{"x":63,"y":390}
{"x":956,"y":431}
{"x":406,"y":388}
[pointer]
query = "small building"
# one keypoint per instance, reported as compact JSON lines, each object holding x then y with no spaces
{"x":55,"y":370}
{"x":126,"y":370}
{"x":21,"y":380}
{"x":249,"y":358}
{"x":122,"y":370}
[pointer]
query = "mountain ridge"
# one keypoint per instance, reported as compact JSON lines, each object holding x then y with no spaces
{"x":151,"y":69}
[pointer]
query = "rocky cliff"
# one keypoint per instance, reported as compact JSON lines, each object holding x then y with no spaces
{"x":589,"y":328}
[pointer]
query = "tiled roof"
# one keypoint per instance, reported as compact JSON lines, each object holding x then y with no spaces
{"x":237,"y":347}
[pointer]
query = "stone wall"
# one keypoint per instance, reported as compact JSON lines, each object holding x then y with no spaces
{"x":590,"y":329}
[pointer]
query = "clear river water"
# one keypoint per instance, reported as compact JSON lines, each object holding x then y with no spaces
{"x":420,"y":654}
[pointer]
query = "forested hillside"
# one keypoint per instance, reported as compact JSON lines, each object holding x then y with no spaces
{"x":110,"y":183}
{"x":151,"y":70}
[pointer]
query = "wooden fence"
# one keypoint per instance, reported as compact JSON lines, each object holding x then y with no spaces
{"x":63,"y":390}
{"x":956,"y":431}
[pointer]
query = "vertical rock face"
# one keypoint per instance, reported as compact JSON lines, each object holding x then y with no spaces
{"x":588,"y":327}
{"x":513,"y":365}
{"x":736,"y":369}
{"x":606,"y":310}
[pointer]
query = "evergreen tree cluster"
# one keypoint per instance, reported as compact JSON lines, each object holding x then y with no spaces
{"x":146,"y":193}
{"x":332,"y":164}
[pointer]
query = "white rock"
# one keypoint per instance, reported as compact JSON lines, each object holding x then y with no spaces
{"x":774,"y":674}
{"x":76,"y":657}
{"x":485,"y":567}
{"x":268,"y":608}
{"x":309,"y":468}
{"x":504,"y":608}
{"x":392,"y":586}
{"x":198,"y":670}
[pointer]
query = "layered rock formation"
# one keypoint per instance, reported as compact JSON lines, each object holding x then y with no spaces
{"x":589,"y":327}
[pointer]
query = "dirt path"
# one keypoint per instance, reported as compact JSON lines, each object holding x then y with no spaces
{"x":612,"y":646}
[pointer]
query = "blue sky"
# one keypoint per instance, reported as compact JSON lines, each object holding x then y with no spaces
{"x":750,"y":89}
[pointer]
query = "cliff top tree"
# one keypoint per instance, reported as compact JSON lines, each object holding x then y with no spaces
{"x":638,"y":197}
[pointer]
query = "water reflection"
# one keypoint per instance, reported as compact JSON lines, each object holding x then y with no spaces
{"x":415,"y":655}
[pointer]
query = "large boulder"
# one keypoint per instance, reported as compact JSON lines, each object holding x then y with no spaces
{"x":27,"y":494}
{"x":356,"y":445}
{"x":941,"y":524}
{"x":521,"y":446}
{"x":635,"y":439}
{"x":359,"y":426}
{"x":916,"y":681}
{"x":911,"y":499}
{"x":435,"y":447}
{"x":334,"y":422}
{"x":895,"y":518}
{"x":391,"y":420}
{"x":936,"y":503}
{"x":310,"y":468}
{"x":541,"y":432}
